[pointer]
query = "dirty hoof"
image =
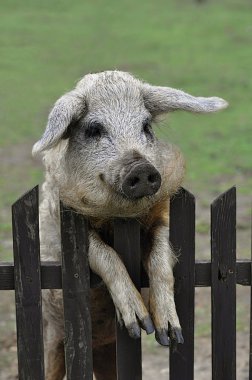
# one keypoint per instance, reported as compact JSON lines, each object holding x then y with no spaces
{"x":162,"y":337}
{"x":134,"y":330}
{"x":147,"y":325}
{"x":176,"y":335}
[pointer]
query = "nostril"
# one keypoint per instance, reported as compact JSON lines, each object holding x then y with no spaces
{"x":134,"y":181}
{"x":142,"y":180}
{"x":152,"y":178}
{"x":101,"y":176}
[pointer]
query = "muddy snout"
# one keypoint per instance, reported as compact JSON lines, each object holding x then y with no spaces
{"x":141,"y":180}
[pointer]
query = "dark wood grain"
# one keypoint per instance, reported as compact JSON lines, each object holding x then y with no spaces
{"x":223,"y":248}
{"x":203,"y":272}
{"x":26,"y":247}
{"x":127,"y":244}
{"x":243,"y":272}
{"x":222,"y":274}
{"x":51,"y":277}
{"x":182,"y":238}
{"x":7,"y":276}
{"x":76,"y":296}
{"x":250,"y":338}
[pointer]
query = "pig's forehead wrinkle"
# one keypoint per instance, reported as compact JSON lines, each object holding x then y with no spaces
{"x":115,"y":100}
{"x":110,"y":110}
{"x":114,"y":95}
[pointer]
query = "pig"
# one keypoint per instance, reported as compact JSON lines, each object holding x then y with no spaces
{"x":103,"y":160}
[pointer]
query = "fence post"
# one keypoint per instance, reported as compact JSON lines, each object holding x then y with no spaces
{"x":26,"y":247}
{"x":76,"y":295}
{"x":223,"y":248}
{"x":250,"y":340}
{"x":182,"y":238}
{"x":127,"y":244}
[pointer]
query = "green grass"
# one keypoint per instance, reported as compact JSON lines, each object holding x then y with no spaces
{"x":205,"y":49}
{"x":202,"y":48}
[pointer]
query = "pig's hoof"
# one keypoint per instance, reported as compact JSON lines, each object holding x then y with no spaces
{"x":176,"y":335}
{"x":134,"y":330}
{"x":147,"y":325}
{"x":162,"y":337}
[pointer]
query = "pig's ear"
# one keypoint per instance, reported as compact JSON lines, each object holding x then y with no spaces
{"x":66,"y":110}
{"x":164,"y":99}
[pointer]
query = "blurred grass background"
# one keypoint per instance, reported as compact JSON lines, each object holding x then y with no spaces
{"x":203,"y":47}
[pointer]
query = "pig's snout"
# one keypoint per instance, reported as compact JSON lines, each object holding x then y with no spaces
{"x":142,"y":180}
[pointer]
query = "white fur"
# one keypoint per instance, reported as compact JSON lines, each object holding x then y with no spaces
{"x":86,"y":174}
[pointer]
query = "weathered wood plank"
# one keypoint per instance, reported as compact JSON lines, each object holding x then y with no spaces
{"x":127,"y":244}
{"x":243,"y":272}
{"x":203,"y":273}
{"x":182,"y":238}
{"x":51,"y":275}
{"x":250,"y":340}
{"x":26,"y":247}
{"x":7,"y":276}
{"x":76,"y":296}
{"x":223,"y":248}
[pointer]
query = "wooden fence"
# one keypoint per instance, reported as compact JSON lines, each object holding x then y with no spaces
{"x":28,"y":276}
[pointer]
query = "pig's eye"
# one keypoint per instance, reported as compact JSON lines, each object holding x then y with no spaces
{"x":147,"y":129}
{"x":94,"y":130}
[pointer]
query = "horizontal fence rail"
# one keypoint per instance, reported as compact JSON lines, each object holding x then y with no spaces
{"x":28,"y":276}
{"x":51,"y":275}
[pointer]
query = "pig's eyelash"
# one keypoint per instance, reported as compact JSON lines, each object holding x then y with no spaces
{"x":147,"y":129}
{"x":94,"y":130}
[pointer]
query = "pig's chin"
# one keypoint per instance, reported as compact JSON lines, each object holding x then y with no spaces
{"x":116,"y":205}
{"x":111,"y":201}
{"x":136,"y":200}
{"x":122,"y":206}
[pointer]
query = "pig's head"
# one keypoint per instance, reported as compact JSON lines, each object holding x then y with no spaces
{"x":100,"y":149}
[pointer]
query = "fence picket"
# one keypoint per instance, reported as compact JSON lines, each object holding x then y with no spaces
{"x":182,"y":238}
{"x":250,"y":340}
{"x":25,"y":219}
{"x":76,"y":294}
{"x":223,"y":248}
{"x":127,"y":244}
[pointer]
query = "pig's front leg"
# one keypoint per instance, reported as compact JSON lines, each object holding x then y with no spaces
{"x":128,"y":302}
{"x":159,"y":265}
